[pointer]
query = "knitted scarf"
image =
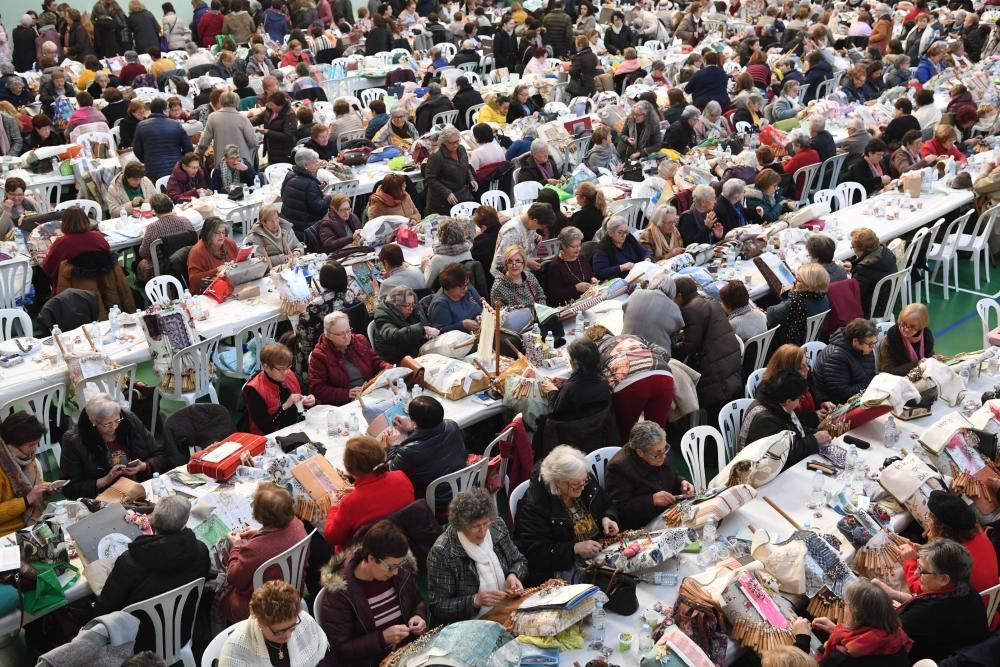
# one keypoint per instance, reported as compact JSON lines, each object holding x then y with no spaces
{"x":861,"y":642}
{"x":488,"y":567}
{"x":386,"y":199}
{"x":24,"y":475}
{"x":452,"y":249}
{"x":246,"y":648}
{"x":795,"y":321}
{"x":229,"y":176}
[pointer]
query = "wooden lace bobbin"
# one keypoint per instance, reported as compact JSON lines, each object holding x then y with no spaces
{"x":503,"y":613}
{"x":761,"y":637}
{"x":825,"y":603}
{"x":971,"y":487}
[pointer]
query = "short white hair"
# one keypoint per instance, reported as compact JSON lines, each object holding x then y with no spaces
{"x":661,"y":212}
{"x":614,"y":222}
{"x":817,"y":124}
{"x":855,"y":124}
{"x":702,"y":193}
{"x":563,"y":464}
{"x":538,"y":145}
{"x":746,"y":158}
{"x":733,"y":187}
{"x":102,"y":407}
{"x":331,"y":320}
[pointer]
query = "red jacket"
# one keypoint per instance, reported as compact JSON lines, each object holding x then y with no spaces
{"x":244,"y":561}
{"x":269,"y":391}
{"x":984,"y":565}
{"x":803,"y":158}
{"x":374,"y":497}
{"x":933,"y":147}
{"x":209,"y":27}
{"x":70,"y":246}
{"x":328,"y":379}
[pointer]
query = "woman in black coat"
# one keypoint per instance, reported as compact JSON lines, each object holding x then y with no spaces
{"x":448,"y":175}
{"x":24,"y":48}
{"x":78,"y":45}
{"x":145,"y":29}
{"x":379,"y":38}
{"x":871,"y":262}
{"x":680,"y":136}
{"x":583,"y":69}
{"x":278,"y":124}
{"x":907,"y":342}
{"x":106,"y":444}
{"x":585,"y":391}
{"x":466,"y":98}
{"x":521,"y":104}
{"x":618,"y":36}
{"x":562,"y":515}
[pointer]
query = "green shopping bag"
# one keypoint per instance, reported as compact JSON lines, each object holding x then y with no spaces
{"x":49,"y":593}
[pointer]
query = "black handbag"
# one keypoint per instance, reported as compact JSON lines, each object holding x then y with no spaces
{"x":617,"y":585}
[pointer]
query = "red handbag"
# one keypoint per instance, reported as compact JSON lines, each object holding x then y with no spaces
{"x":407,"y":238}
{"x":220,"y":289}
{"x":220,"y":460}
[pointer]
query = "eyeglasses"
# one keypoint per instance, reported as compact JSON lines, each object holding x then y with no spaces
{"x":921,"y":572}
{"x":576,"y":484}
{"x":659,"y":453}
{"x":341,"y":334}
{"x":408,"y":306}
{"x":279,"y":369}
{"x":517,"y":261}
{"x":110,"y":424}
{"x":391,"y":567}
{"x":285,"y":631}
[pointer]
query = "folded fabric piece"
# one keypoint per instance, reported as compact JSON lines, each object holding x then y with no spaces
{"x":570,"y":639}
{"x":897,"y":390}
{"x":949,"y":383}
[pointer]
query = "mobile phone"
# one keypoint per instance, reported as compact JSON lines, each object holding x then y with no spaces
{"x":58,"y":484}
{"x":857,"y":442}
{"x":132,"y":463}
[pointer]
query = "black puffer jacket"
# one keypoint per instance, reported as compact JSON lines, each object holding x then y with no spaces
{"x":868,"y":269}
{"x":302,"y":200}
{"x":85,"y":458}
{"x":711,"y":348}
{"x":543,"y":531}
{"x":766,"y":417}
{"x":430,"y":107}
{"x":841,"y":371}
{"x":396,"y":336}
{"x":280,"y":137}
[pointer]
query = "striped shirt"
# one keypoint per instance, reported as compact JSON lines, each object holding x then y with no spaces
{"x":384,"y":603}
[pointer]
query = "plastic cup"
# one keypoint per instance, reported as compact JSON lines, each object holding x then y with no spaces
{"x":625,"y":642}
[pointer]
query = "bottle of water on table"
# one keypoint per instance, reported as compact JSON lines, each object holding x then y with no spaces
{"x":599,"y":618}
{"x":890,"y":433}
{"x":115,"y":319}
{"x":817,"y":496}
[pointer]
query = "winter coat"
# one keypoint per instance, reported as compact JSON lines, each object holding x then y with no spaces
{"x":608,"y":258}
{"x":707,"y":84}
{"x":816,"y":75}
{"x":98,"y":272}
{"x":335,"y":233}
{"x":680,"y":136}
{"x":868,"y":270}
{"x":159,"y":143}
{"x":347,"y":618}
{"x":653,"y":316}
{"x":841,"y":371}
{"x":778,"y":314}
{"x":427,"y":454}
{"x":374,"y":497}
{"x":176,"y":31}
{"x":302,"y":200}
{"x":766,"y":417}
{"x":328,"y":377}
{"x":710,"y":347}
{"x":78,"y":44}
{"x":280,"y":138}
{"x":181,"y":187}
{"x":582,"y":72}
{"x":154,"y":564}
{"x":942,"y":622}
{"x":275,"y":24}
{"x":860,"y":172}
{"x":444,"y":176}
{"x":85,"y":458}
{"x":247,"y":177}
{"x":433,"y":105}
{"x":543,"y":531}
{"x":210,"y":27}
{"x":631,"y":483}
{"x":530,"y":170}
{"x":239,"y":25}
{"x":463,"y":101}
{"x":406,"y":208}
{"x":926,"y":70}
{"x":279,"y":246}
{"x":24,"y":48}
{"x":617,"y":42}
{"x":452,"y":579}
{"x":116,"y":198}
{"x":145,"y":31}
{"x":558,"y":31}
{"x":892,"y":355}
{"x":229,"y":126}
{"x":397,"y":336}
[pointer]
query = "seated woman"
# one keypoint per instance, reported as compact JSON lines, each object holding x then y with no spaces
{"x":23,"y":491}
{"x":773,"y":411}
{"x":279,"y":531}
{"x":569,"y":275}
{"x":391,"y":198}
{"x":562,"y":515}
{"x":319,"y":141}
{"x":821,"y":249}
{"x":187,"y":181}
{"x":746,"y":319}
{"x":484,"y":246}
{"x":450,"y":246}
{"x":869,"y":632}
{"x":210,"y":254}
{"x":751,"y":113}
{"x":618,"y":251}
{"x":793,"y":357}
{"x":78,"y":238}
{"x":273,"y":395}
{"x":593,"y":210}
{"x":641,"y":134}
{"x":867,"y":170}
{"x":787,"y":105}
{"x":651,"y":313}
{"x":846,"y":366}
{"x":517,"y":288}
{"x":474,"y":563}
{"x":377,"y":491}
{"x":277,"y":632}
{"x":585,"y":392}
{"x":167,"y":222}
{"x":107,"y":443}
{"x":806,"y":298}
{"x":639,"y":478}
{"x":661,"y":237}
{"x":274,"y":237}
{"x":456,"y":305}
{"x":871,"y":262}
{"x":361,"y":626}
{"x":332,"y":297}
{"x":400,"y":325}
{"x":341,"y":226}
{"x":15,"y":205}
{"x":128,"y":190}
{"x":771,"y":204}
{"x":342,"y":362}
{"x":233,"y":170}
{"x":942,"y":143}
{"x":907,"y":342}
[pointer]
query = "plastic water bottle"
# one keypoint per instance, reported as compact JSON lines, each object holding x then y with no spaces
{"x":94,"y":330}
{"x":817,"y":496}
{"x":417,"y":391}
{"x":332,"y":423}
{"x":579,"y":325}
{"x":890,"y":434}
{"x":550,"y":343}
{"x":599,"y":618}
{"x":708,"y":533}
{"x":850,"y":461}
{"x":966,"y":372}
{"x":115,"y":318}
{"x":402,"y":395}
{"x":155,"y":488}
{"x":123,"y":218}
{"x":537,"y":332}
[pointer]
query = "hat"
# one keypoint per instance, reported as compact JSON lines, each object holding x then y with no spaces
{"x":950,"y":510}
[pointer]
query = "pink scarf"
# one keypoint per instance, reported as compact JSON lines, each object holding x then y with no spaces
{"x":915,"y":354}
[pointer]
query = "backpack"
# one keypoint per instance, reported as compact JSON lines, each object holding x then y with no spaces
{"x":62,"y":108}
{"x":701,"y":619}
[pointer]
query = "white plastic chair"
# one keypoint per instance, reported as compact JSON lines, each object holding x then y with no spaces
{"x":199,"y":357}
{"x":15,"y":278}
{"x":258,"y":334}
{"x":693,"y":448}
{"x":369,"y":94}
{"x":11,"y":316}
{"x":468,"y":477}
{"x":753,"y":382}
{"x":108,"y":382}
{"x":46,"y":191}
{"x":851,"y":193}
{"x":654,"y":45}
{"x":448,"y":50}
{"x":371,"y":333}
{"x":598,"y":460}
{"x":46,"y":405}
{"x":492,"y":450}
{"x":471,"y":113}
{"x":808,"y":175}
{"x":978,"y":242}
{"x":165,"y":612}
{"x":161,"y":184}
{"x":760,"y":344}
{"x":352,"y":100}
{"x":464,"y":209}
{"x":348,"y":136}
{"x":89,"y":206}
{"x":158,"y":289}
{"x":730,"y":420}
{"x":348,"y":188}
{"x":467,"y":67}
{"x":630,"y":209}
{"x":576,"y":150}
{"x":743,"y":127}
{"x":812,"y":350}
{"x":988,"y":310}
{"x":891,"y":285}
{"x":829,"y":172}
{"x":991,"y":600}
{"x":498,"y":199}
{"x":210,"y":658}
{"x":444,"y":118}
{"x":245,"y":215}
{"x":814,"y":324}
{"x":526,"y":192}
{"x":826,"y":195}
{"x":515,"y":498}
{"x":918,"y":245}
{"x":945,"y":253}
{"x":291,"y":562}
{"x":275,"y":173}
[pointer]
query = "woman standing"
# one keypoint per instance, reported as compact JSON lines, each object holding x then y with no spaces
{"x":484,"y":246}
{"x":145,"y":29}
{"x":278,"y":124}
{"x":517,"y":288}
{"x":583,"y":69}
{"x":448,"y":174}
{"x":23,"y":491}
{"x":210,"y":254}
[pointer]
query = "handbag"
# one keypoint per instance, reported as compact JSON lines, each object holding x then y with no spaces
{"x":48,"y":593}
{"x":407,"y":238}
{"x":219,"y":289}
{"x":619,"y":586}
{"x":44,"y":542}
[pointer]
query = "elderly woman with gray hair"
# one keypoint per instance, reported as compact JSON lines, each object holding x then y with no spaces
{"x":448,"y":175}
{"x":641,"y":134}
{"x":569,"y":275}
{"x":562,"y":515}
{"x":398,"y":132}
{"x":639,"y":478}
{"x":729,"y":209}
{"x":751,"y":113}
{"x":302,"y":200}
{"x":538,"y":165}
{"x":699,"y":223}
{"x":661,"y":237}
{"x":651,"y":313}
{"x":274,"y":237}
{"x":107,"y":443}
{"x":232,"y":170}
{"x":400,"y":325}
{"x":342,"y":362}
{"x":682,"y":134}
{"x":451,"y":245}
{"x":618,"y":251}
{"x":473,"y":565}
{"x":712,"y":124}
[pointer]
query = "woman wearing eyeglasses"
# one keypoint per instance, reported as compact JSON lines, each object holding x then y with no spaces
{"x":371,"y":604}
{"x":517,"y":288}
{"x":273,"y":394}
{"x":107,"y":443}
{"x":640,"y":479}
{"x":342,"y":362}
{"x":277,"y":633}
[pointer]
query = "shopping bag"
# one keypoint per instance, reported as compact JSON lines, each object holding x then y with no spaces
{"x":49,"y":593}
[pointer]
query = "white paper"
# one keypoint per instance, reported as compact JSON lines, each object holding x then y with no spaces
{"x":221,"y":452}
{"x":10,"y":558}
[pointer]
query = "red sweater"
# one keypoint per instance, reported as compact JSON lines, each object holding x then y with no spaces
{"x":69,"y":246}
{"x":374,"y":497}
{"x":803,"y":158}
{"x":328,"y":377}
{"x":984,"y":565}
{"x":934,"y":147}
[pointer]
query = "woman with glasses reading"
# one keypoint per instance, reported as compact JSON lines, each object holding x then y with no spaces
{"x":273,"y":395}
{"x":371,"y":604}
{"x":342,"y":362}
{"x":640,"y":479}
{"x":107,"y":443}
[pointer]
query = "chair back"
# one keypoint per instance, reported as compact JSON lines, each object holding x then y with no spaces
{"x":826,"y":195}
{"x":467,"y":67}
{"x":888,"y":288}
{"x":245,"y":215}
{"x":444,"y":118}
{"x":275,"y":173}
{"x":317,"y":608}
{"x":46,"y":405}
{"x":117,"y":382}
{"x":991,"y":600}
{"x":369,"y":94}
{"x":807,"y":177}
{"x":348,"y":188}
{"x":753,"y":382}
{"x":576,"y":150}
{"x":812,"y":350}
{"x":161,"y":183}
{"x":257,"y":336}
{"x":743,"y":127}
{"x":15,"y":278}
{"x":693,"y":449}
{"x":730,"y":420}
{"x":824,"y":88}
{"x":526,"y":192}
{"x":468,"y":477}
{"x":598,"y":460}
{"x":448,"y":50}
{"x":89,"y":206}
{"x":471,"y":113}
{"x":371,"y":333}
{"x":158,"y":289}
{"x":632,"y":210}
{"x":814,"y":324}
{"x":829,"y":173}
{"x":851,"y":193}
{"x":165,"y":612}
{"x":11,"y":316}
{"x":46,"y":191}
{"x":493,"y":450}
{"x":199,"y":357}
{"x":989,"y":310}
{"x":164,"y":246}
{"x":515,"y":498}
{"x":464,"y":209}
{"x":291,"y":562}
{"x":759,"y":345}
{"x":348,"y":136}
{"x":498,"y":199}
